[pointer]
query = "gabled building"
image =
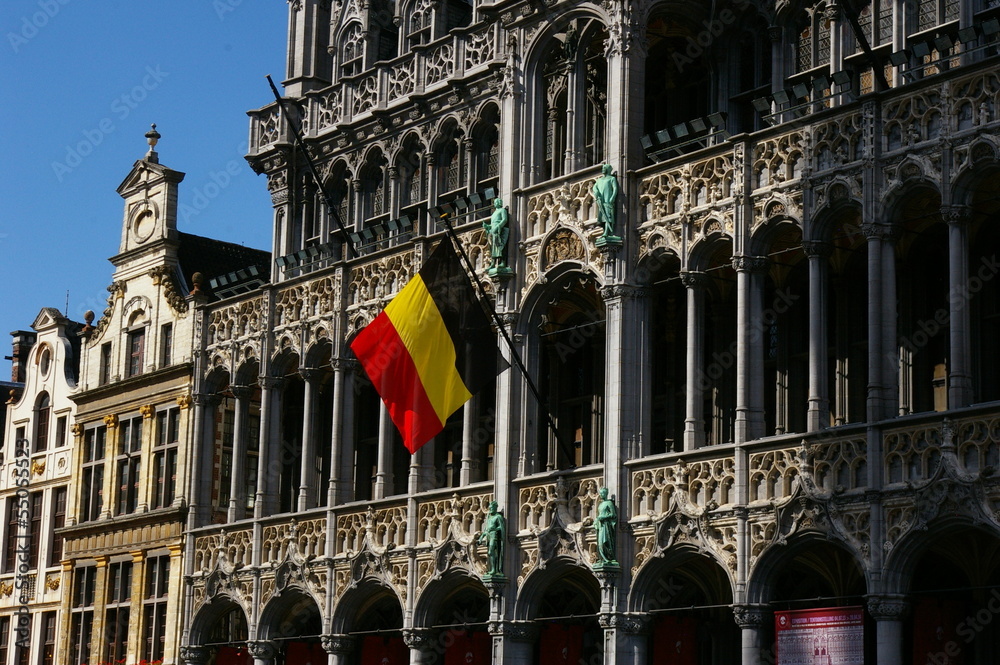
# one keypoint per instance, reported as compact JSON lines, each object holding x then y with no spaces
{"x":134,"y":425}
{"x":35,"y":475}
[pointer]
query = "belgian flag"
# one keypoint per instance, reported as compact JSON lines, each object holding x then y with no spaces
{"x":431,"y":349}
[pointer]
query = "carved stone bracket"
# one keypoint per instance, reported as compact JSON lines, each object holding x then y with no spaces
{"x":338,"y":644}
{"x":421,"y":639}
{"x":888,"y":607}
{"x":629,"y":624}
{"x":515,"y":631}
{"x":751,"y":264}
{"x":262,"y":649}
{"x":751,"y":616}
{"x":194,"y":655}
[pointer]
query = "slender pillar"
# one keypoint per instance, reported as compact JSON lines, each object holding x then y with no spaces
{"x":307,"y":480}
{"x":819,"y":400}
{"x":238,"y":482}
{"x":336,"y":433}
{"x":694,"y":421}
{"x":890,"y":346}
{"x":264,"y":484}
{"x":749,"y":348}
{"x":889,"y":612}
{"x":383,"y":473}
{"x":468,"y":442}
{"x":960,"y":346}
{"x":751,"y":620}
{"x":876,"y":358}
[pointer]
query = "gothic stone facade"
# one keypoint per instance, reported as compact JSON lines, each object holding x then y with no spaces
{"x":786,"y":374}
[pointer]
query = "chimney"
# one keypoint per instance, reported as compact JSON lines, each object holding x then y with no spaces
{"x":23,"y":341}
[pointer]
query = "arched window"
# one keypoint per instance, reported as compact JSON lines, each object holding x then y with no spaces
{"x":574,"y":85}
{"x":448,"y":166}
{"x":43,"y":409}
{"x":411,"y":168}
{"x":352,"y":50}
{"x":486,"y":147}
{"x":812,"y":46}
{"x":418,"y":26}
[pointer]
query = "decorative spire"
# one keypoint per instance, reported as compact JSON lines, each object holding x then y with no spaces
{"x":152,"y":136}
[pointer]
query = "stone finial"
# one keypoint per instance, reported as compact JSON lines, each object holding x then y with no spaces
{"x":198,"y":280}
{"x":152,"y":137}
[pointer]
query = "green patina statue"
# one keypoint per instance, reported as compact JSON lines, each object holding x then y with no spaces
{"x":494,"y":535}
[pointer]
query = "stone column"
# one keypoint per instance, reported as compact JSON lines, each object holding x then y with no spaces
{"x":339,"y":648}
{"x":751,"y":619}
{"x":238,"y":484}
{"x":469,"y":460}
{"x":263,"y":652}
{"x":890,"y":346}
{"x":203,"y":453}
{"x":694,"y":417}
{"x":889,"y":612}
{"x":383,"y":473}
{"x":514,"y":642}
{"x":469,"y":171}
{"x":421,"y":642}
{"x":264,"y":486}
{"x":876,"y":359}
{"x":959,"y":340}
{"x":340,"y":366}
{"x":819,"y":399}
{"x":307,"y":481}
{"x":749,"y":348}
{"x":624,"y":639}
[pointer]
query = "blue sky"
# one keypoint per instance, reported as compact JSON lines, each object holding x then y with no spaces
{"x":82,"y":81}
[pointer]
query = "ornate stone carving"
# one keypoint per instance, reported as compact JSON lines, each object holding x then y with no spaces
{"x":166,"y":276}
{"x":194,"y":655}
{"x":262,"y":649}
{"x":338,"y":644}
{"x":888,"y":607}
{"x":751,"y":616}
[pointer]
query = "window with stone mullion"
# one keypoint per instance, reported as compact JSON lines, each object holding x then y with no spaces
{"x":117,"y":616}
{"x":82,"y":614}
{"x":154,"y":608}
{"x":92,"y":474}
{"x":127,"y":464}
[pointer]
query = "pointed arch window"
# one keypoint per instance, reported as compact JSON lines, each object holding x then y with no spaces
{"x":352,"y":50}
{"x":574,"y":86}
{"x":812,"y":46}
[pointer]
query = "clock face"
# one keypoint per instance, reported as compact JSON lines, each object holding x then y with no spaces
{"x":143,"y":225}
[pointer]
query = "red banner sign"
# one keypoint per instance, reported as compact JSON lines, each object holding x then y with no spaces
{"x":829,"y":636}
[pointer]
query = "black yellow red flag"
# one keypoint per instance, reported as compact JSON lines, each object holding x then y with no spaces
{"x":431,"y":349}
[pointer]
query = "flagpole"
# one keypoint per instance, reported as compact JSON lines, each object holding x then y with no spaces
{"x":484,"y":298}
{"x":312,"y":168}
